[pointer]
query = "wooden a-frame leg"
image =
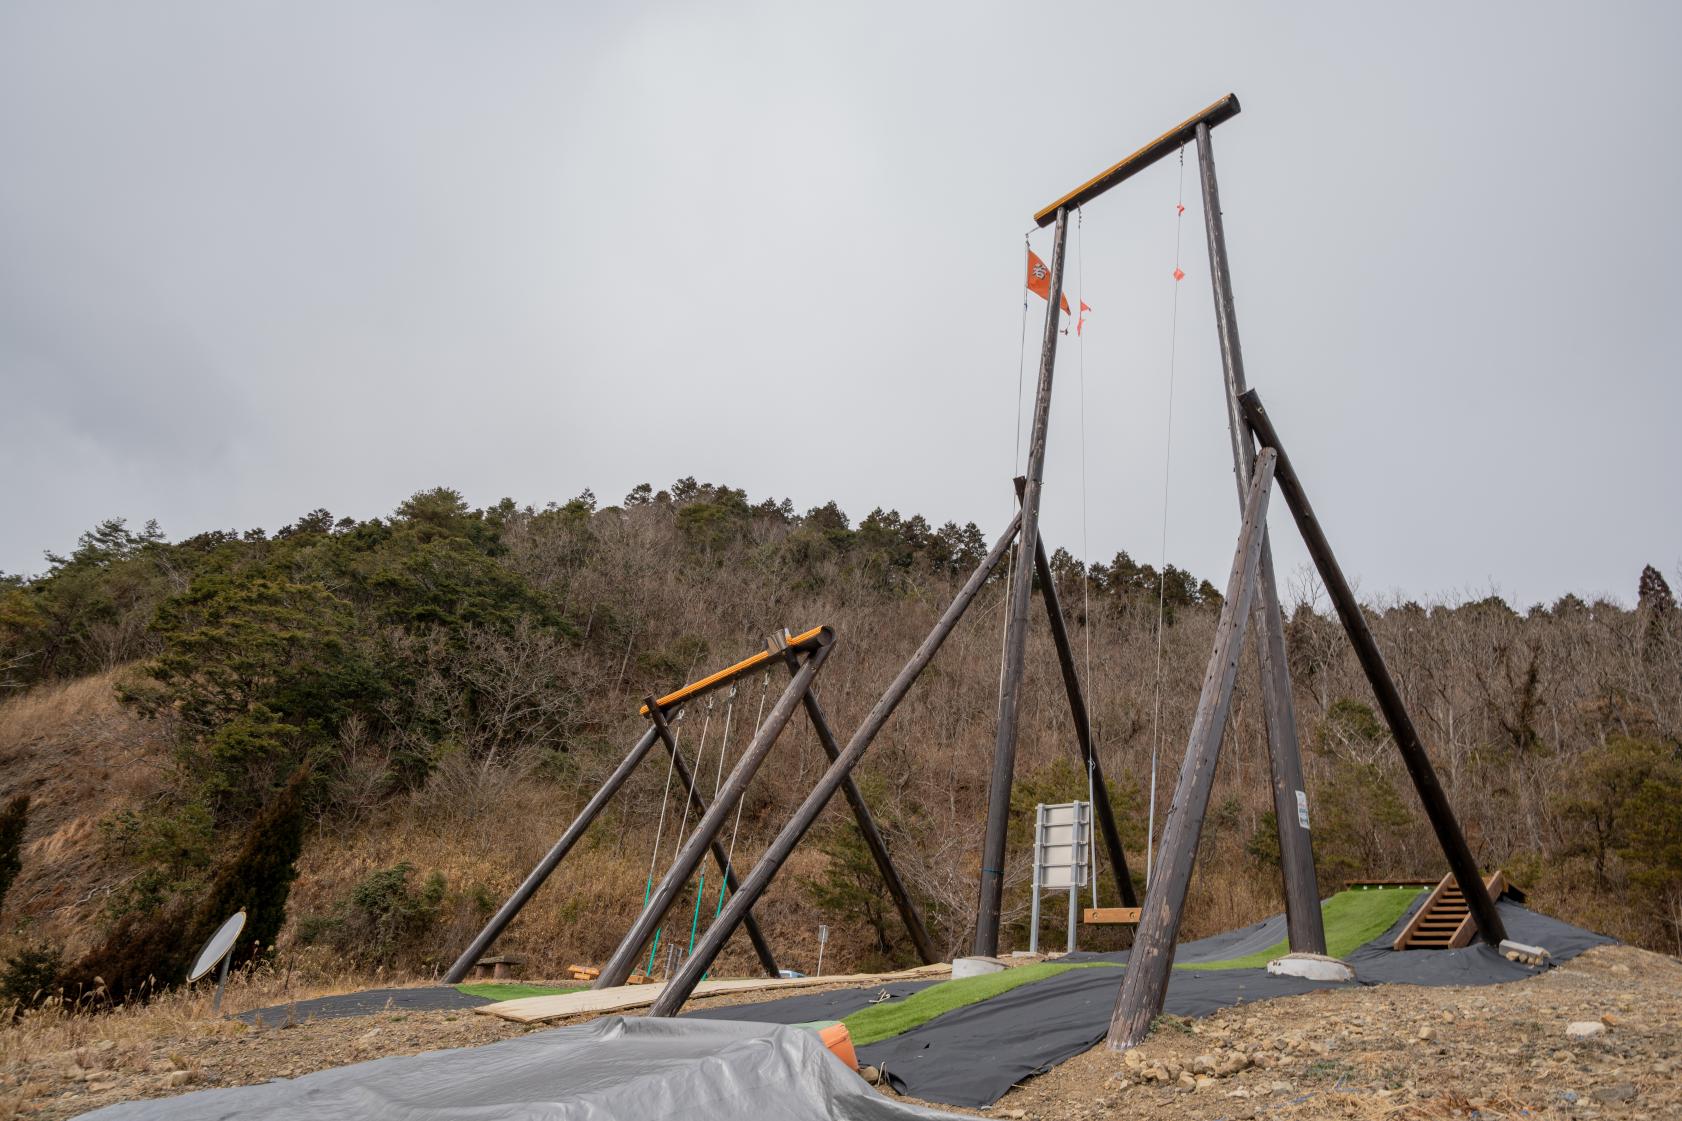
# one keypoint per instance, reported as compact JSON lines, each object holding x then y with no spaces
{"x":1152,"y":958}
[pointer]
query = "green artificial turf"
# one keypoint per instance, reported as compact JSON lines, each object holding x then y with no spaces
{"x":1352,"y":918}
{"x":891,"y":1018}
{"x":510,"y":990}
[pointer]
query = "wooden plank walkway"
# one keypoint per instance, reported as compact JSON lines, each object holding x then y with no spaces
{"x":540,"y":1009}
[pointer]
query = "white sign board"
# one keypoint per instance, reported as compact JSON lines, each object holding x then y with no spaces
{"x":1062,"y":859}
{"x":1302,"y":808}
{"x":1063,"y":844}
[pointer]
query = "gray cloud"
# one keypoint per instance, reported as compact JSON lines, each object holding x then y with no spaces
{"x":259,"y":258}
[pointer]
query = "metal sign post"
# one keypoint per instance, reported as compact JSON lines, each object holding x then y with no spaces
{"x":1062,"y":860}
{"x":823,"y":939}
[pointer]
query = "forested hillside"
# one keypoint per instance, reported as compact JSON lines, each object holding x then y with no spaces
{"x":415,"y":705}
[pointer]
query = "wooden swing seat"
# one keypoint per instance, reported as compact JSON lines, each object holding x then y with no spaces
{"x":1110,"y":916}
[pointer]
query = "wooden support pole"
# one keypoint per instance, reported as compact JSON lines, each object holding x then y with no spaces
{"x":1102,"y":809}
{"x":677,"y":991}
{"x":1148,"y":966}
{"x":1016,"y":626}
{"x":1412,"y":748}
{"x":1304,"y":925}
{"x":699,"y":802}
{"x":534,"y":880}
{"x":706,"y":830}
{"x":873,"y":840}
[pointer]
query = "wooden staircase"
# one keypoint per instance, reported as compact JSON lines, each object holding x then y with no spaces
{"x":1444,"y":921}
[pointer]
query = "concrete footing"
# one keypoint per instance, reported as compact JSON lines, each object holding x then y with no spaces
{"x":1311,"y":967}
{"x":976,"y":966}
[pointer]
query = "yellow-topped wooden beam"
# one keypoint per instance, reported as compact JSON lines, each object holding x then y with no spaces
{"x":806,"y":640}
{"x":1171,"y":141}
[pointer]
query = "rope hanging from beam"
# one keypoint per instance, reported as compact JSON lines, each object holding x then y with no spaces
{"x":1162,"y":556}
{"x":660,"y":829}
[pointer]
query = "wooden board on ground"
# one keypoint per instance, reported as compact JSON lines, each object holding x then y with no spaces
{"x":1111,"y":916}
{"x":538,"y":1009}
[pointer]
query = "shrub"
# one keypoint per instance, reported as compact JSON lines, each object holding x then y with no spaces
{"x":384,"y":919}
{"x":30,"y":976}
{"x":12,"y":820}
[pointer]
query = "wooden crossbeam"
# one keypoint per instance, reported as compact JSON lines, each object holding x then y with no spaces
{"x":805,"y":641}
{"x":1171,"y":141}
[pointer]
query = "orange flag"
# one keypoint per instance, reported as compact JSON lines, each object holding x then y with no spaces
{"x":1084,"y":308}
{"x":1039,"y":281}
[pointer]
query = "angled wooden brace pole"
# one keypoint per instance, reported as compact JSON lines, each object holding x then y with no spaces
{"x":1016,"y":625}
{"x":1412,"y":748}
{"x":677,"y":991}
{"x":1303,"y":921}
{"x":694,"y":850}
{"x":903,"y":903}
{"x":1083,"y":724}
{"x":1148,"y":966}
{"x":534,"y":880}
{"x":720,"y":857}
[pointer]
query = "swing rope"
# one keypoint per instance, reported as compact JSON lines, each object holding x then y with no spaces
{"x":723,"y":750}
{"x":1021,"y":358}
{"x":1167,"y":464}
{"x":1085,"y":549}
{"x":665,"y":799}
{"x":683,"y":826}
{"x":718,"y":784}
{"x":1016,"y":460}
{"x":730,"y":853}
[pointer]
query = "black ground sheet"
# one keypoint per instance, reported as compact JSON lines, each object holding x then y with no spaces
{"x":432,"y":999}
{"x":971,"y":1056}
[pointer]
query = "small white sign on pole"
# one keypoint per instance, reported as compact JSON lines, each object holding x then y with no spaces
{"x":1062,"y":859}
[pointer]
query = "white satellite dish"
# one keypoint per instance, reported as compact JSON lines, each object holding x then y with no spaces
{"x":218,"y":950}
{"x":219,"y":946}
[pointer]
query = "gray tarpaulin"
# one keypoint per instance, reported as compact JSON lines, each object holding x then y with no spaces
{"x":613,"y":1069}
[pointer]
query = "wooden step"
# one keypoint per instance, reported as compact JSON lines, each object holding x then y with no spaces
{"x":1444,"y":921}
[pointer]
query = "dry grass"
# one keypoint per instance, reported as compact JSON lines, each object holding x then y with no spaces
{"x":81,"y":757}
{"x":484,"y":848}
{"x":128,"y":1038}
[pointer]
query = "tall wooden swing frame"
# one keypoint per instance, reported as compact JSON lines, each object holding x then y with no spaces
{"x":1251,"y":595}
{"x":1251,"y":590}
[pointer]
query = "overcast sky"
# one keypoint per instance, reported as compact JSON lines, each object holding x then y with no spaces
{"x":259,"y":258}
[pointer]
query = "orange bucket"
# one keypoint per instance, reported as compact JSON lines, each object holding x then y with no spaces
{"x":839,"y":1040}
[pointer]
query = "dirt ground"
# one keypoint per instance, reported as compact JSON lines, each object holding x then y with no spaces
{"x":1392,"y":1051}
{"x":1401,"y":1052}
